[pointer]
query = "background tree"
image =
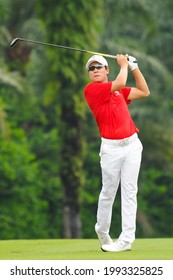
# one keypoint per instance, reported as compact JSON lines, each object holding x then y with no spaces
{"x":66,"y":95}
{"x":22,"y":203}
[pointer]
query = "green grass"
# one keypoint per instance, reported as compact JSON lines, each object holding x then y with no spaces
{"x":83,"y":249}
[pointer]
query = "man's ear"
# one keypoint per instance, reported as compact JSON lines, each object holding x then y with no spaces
{"x":108,"y":70}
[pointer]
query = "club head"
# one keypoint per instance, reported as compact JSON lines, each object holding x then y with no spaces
{"x":14,"y":42}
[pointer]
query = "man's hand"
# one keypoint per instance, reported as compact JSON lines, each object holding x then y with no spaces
{"x":122,"y":60}
{"x":132,"y":61}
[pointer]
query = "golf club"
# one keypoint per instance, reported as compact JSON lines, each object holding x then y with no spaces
{"x":14,"y":41}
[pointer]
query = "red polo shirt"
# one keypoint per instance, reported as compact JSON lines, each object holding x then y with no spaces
{"x":110,"y":110}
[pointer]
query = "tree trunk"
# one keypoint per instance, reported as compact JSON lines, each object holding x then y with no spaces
{"x":71,"y":171}
{"x":71,"y":222}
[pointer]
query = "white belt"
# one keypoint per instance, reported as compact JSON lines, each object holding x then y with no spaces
{"x":120,"y":142}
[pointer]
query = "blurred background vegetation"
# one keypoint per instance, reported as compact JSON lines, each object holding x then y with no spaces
{"x":49,"y":143}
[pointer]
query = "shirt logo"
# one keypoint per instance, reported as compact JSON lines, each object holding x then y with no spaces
{"x":117,"y":93}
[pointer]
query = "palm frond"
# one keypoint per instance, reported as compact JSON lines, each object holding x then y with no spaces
{"x":12,"y":79}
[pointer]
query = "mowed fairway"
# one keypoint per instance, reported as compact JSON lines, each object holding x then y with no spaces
{"x":83,"y":249}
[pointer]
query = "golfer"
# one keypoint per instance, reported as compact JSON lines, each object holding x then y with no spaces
{"x":121,"y":149}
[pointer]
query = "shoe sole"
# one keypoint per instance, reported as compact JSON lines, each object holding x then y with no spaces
{"x":115,"y":251}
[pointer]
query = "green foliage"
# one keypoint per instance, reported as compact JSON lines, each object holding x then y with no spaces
{"x":49,"y":141}
{"x":155,"y":198}
{"x":20,"y":190}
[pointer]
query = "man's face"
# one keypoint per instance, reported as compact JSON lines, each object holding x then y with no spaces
{"x":98,"y":73}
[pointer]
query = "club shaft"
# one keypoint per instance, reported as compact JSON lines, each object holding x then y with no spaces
{"x":14,"y":41}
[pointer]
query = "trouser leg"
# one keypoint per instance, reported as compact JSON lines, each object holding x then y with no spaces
{"x":111,"y":162}
{"x":129,"y":188}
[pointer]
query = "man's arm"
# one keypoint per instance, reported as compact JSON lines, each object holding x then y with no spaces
{"x":141,"y":90}
{"x":121,"y":79}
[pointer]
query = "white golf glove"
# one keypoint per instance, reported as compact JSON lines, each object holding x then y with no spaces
{"x":132,"y":61}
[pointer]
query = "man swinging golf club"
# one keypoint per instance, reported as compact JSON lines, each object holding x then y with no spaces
{"x":121,"y":149}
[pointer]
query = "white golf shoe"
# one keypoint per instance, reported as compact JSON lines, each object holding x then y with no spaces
{"x":117,"y":246}
{"x":104,"y":239}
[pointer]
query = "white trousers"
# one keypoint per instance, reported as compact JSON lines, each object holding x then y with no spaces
{"x":120,"y":164}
